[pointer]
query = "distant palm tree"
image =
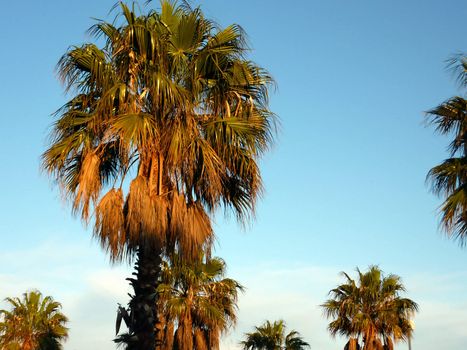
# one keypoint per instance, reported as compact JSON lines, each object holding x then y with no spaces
{"x":196,"y":304}
{"x":449,"y":179}
{"x":272,"y":336}
{"x":200,"y":301}
{"x":370,"y":308}
{"x":33,"y":323}
{"x":166,"y":125}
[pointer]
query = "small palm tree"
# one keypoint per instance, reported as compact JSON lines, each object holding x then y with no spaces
{"x":33,"y":323}
{"x":272,"y":336}
{"x":449,"y":179}
{"x":200,"y":300}
{"x":196,"y":303}
{"x":371,"y":309}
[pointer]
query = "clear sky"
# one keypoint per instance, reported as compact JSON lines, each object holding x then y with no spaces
{"x":344,"y":183}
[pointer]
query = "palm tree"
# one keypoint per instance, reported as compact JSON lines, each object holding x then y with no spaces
{"x":196,"y":304}
{"x":271,"y":336}
{"x":199,"y":300}
{"x":449,"y":179}
{"x":166,"y":125}
{"x":370,"y":308}
{"x":34,"y":323}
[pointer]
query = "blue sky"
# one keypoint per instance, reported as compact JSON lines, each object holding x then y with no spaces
{"x":344,"y":183}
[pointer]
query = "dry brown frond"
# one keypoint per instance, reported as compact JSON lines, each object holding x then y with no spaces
{"x":190,"y":226}
{"x":178,"y":210}
{"x":184,"y":335}
{"x":200,"y":340}
{"x":169,"y":337}
{"x":193,"y":230}
{"x":89,"y":185}
{"x":214,"y":339}
{"x":161,"y":219}
{"x":109,"y":225}
{"x":353,"y":344}
{"x":146,"y":214}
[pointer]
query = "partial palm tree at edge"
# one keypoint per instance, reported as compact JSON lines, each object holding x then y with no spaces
{"x":449,"y":179}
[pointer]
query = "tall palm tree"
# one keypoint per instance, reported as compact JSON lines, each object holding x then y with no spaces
{"x":33,"y":323}
{"x":370,"y":308}
{"x":166,"y":125}
{"x":449,"y":179}
{"x":272,"y":336}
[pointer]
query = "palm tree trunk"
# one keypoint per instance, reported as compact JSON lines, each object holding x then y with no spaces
{"x":143,"y":305}
{"x":143,"y":308}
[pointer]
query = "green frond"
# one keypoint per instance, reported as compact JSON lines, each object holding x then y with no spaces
{"x":458,"y":65}
{"x":451,"y":117}
{"x":138,"y":129}
{"x":454,"y":214}
{"x":448,"y":176}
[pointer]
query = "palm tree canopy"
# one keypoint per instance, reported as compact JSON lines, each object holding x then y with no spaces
{"x":33,"y":323}
{"x":272,"y":336}
{"x":449,"y":179}
{"x":166,"y":124}
{"x":371,"y":307}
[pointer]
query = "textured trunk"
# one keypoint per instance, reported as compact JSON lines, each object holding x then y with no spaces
{"x":143,"y":309}
{"x":147,"y":328}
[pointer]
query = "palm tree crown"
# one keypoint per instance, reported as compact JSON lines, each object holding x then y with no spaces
{"x":449,"y":179}
{"x":171,"y":101}
{"x":34,"y":323}
{"x":272,"y":336}
{"x":371,"y":308}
